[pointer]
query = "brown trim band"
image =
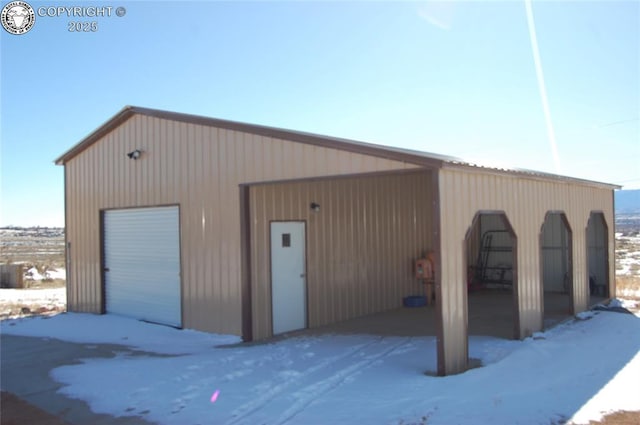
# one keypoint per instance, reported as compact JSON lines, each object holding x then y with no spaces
{"x":333,"y":177}
{"x":245,"y":262}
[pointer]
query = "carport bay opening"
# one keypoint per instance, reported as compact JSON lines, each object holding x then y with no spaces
{"x":556,"y":262}
{"x":492,"y":276}
{"x":360,"y":246}
{"x":380,"y":209}
{"x":491,"y":245}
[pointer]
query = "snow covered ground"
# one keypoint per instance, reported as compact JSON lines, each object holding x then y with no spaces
{"x":34,"y":274}
{"x":574,"y":372}
{"x":18,"y":302}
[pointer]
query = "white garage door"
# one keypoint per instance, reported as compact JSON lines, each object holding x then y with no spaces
{"x":142,"y":264}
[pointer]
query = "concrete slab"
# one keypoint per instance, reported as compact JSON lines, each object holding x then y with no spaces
{"x":490,"y":313}
{"x":405,"y":321}
{"x":24,"y":372}
{"x":557,"y":308}
{"x":27,"y":362}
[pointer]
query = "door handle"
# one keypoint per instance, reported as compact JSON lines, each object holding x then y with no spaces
{"x":106,"y":269}
{"x":303,"y":275}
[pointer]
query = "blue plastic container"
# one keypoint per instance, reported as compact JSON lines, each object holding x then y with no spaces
{"x":415,"y":301}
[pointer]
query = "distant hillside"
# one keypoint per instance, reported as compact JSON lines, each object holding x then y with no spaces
{"x":627,"y":200}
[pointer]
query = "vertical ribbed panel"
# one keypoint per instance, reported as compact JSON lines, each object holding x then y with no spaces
{"x":555,"y":253}
{"x":142,"y":264}
{"x":452,"y":274}
{"x":463,"y":192}
{"x":361,"y":245}
{"x":199,"y":168}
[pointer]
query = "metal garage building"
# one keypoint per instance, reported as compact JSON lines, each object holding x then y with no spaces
{"x":235,"y":228}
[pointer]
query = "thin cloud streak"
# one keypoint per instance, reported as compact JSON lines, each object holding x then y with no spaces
{"x":438,"y":13}
{"x":541,"y":86}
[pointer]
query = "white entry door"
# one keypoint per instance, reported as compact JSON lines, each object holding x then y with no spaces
{"x":288,"y":276}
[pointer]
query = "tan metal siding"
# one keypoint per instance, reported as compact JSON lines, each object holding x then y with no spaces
{"x":555,"y":251}
{"x":453,"y":288}
{"x":360,"y":245}
{"x":525,"y":201}
{"x":199,"y":168}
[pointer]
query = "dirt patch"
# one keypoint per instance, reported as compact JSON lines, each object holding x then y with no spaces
{"x":619,"y":418}
{"x":16,"y":411}
{"x":19,"y":310}
{"x":45,"y":284}
{"x":628,"y":287}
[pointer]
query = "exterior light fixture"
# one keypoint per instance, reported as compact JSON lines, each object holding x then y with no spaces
{"x":134,"y":154}
{"x":315,"y":207}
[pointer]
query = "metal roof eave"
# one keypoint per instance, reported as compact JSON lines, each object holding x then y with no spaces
{"x":123,"y":115}
{"x":396,"y":154}
{"x":422,"y":159}
{"x":527,"y":173}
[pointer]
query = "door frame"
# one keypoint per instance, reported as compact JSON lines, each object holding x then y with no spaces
{"x":103,"y":278}
{"x":306,"y":274}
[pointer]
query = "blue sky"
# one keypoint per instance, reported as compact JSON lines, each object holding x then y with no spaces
{"x":456,"y":78}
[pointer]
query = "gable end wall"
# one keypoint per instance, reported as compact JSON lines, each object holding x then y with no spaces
{"x":200,"y":169}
